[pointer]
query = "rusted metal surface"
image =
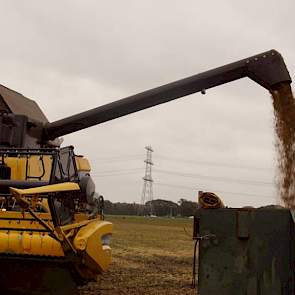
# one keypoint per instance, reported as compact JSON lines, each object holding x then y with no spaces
{"x":249,"y":252}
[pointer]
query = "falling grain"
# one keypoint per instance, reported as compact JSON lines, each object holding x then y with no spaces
{"x":284,"y":111}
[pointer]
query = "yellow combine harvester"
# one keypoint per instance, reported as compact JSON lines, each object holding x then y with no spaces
{"x":52,"y":230}
{"x":53,"y":236}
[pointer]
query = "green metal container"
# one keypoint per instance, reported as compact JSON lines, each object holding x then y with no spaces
{"x":245,"y":251}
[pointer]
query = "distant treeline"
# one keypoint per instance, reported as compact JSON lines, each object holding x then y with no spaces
{"x":156,"y":207}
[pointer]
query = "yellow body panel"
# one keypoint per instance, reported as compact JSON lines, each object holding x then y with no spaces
{"x":34,"y":166}
{"x":60,"y":187}
{"x":22,"y":243}
{"x":88,"y":242}
{"x":20,"y":220}
{"x":82,"y":164}
{"x":81,"y":217}
{"x":14,"y":239}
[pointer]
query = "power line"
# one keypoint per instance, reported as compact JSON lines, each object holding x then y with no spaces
{"x":219,"y":191}
{"x":183,"y":186}
{"x":218,"y":164}
{"x":115,"y":174}
{"x":216,"y":178}
{"x":188,"y":161}
{"x":118,"y":159}
{"x":116,"y":170}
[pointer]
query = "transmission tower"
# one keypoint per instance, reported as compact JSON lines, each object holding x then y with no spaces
{"x":147,"y":192}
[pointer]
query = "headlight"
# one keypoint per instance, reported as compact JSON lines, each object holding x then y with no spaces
{"x":106,"y":239}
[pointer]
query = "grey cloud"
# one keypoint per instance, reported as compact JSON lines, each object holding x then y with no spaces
{"x":74,"y":55}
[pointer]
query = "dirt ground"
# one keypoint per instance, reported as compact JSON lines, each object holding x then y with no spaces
{"x":150,"y":256}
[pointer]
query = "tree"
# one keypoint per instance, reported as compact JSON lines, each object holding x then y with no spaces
{"x":162,"y":207}
{"x":187,"y":208}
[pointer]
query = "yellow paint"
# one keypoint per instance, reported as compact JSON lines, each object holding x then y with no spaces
{"x":80,"y":217}
{"x":34,"y":164}
{"x":85,"y":236}
{"x":60,"y":187}
{"x":88,"y":242}
{"x":82,"y":164}
{"x":17,"y":220}
{"x":16,"y":242}
{"x":15,"y":215}
{"x":15,"y":239}
{"x":75,"y":225}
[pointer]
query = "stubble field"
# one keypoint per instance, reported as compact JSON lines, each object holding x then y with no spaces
{"x":150,"y":256}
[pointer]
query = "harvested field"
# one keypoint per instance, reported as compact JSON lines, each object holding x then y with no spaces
{"x":150,"y":256}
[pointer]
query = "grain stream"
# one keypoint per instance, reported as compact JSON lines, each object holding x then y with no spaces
{"x":284,"y":113}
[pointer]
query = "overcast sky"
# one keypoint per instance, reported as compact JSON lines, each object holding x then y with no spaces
{"x":71,"y":56}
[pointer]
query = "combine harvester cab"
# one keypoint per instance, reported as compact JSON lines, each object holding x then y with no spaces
{"x":52,"y":233}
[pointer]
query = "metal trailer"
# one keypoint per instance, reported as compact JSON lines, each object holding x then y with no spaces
{"x":245,"y":251}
